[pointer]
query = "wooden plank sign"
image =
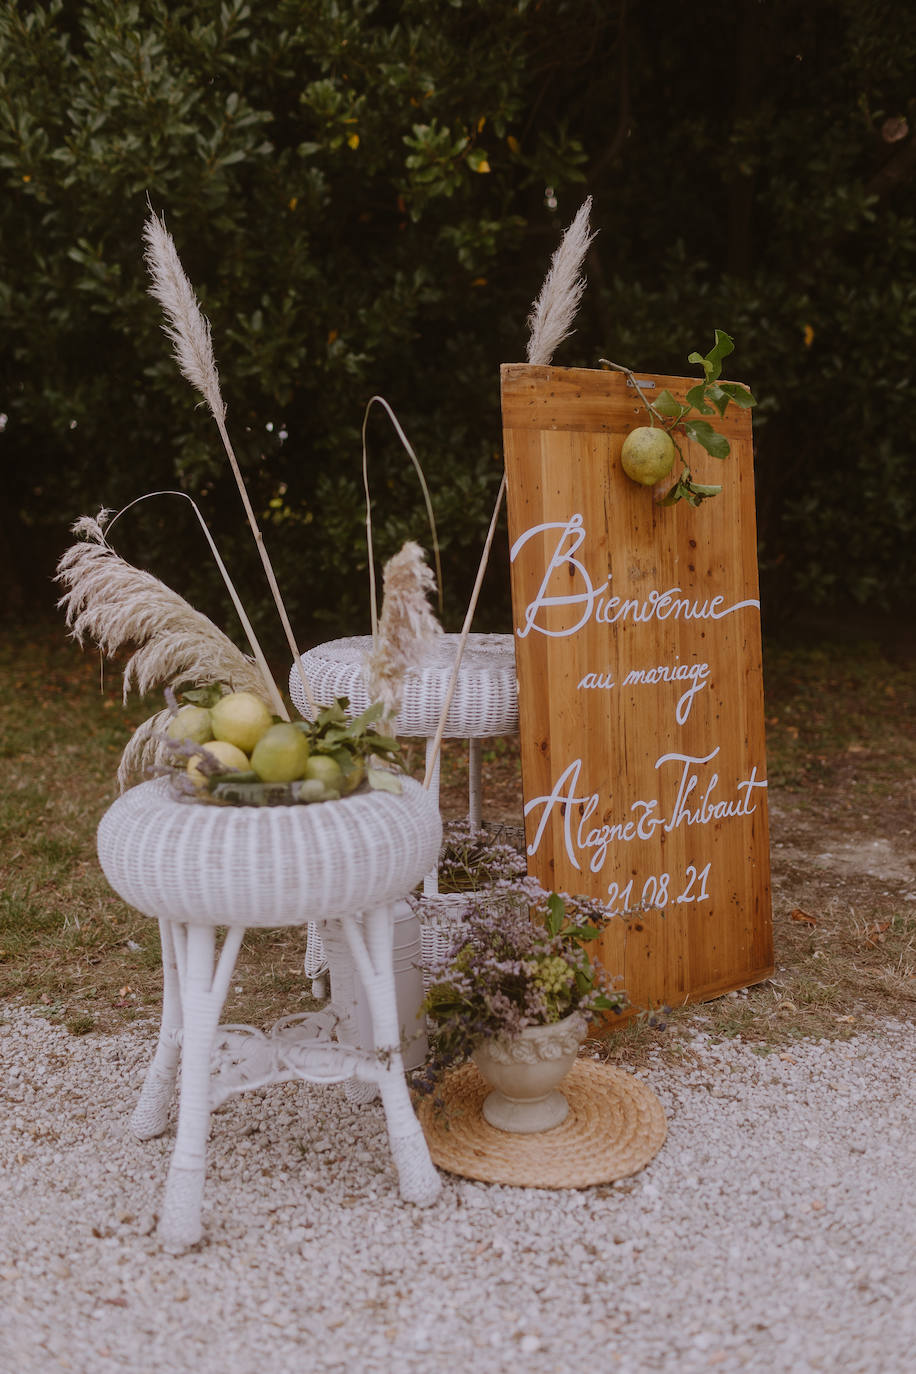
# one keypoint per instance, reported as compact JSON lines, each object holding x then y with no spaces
{"x":637,"y":636}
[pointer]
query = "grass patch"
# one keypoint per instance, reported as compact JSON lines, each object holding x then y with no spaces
{"x":829,"y":706}
{"x":842,"y":757}
{"x":68,"y":946}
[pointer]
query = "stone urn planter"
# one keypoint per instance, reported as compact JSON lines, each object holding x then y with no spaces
{"x":525,"y":1074}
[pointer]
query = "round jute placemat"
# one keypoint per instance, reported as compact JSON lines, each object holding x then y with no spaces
{"x":616,"y":1124}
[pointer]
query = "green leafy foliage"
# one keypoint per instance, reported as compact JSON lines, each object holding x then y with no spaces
{"x":673,"y":416}
{"x":366,"y":198}
{"x":350,"y":742}
{"x":517,"y":959}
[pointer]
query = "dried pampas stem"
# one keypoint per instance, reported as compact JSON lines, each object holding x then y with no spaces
{"x":373,"y":603}
{"x":117,"y":604}
{"x":432,"y":753}
{"x":555,"y":309}
{"x":145,"y":749}
{"x":270,"y":685}
{"x":407,"y":626}
{"x":190,"y":334}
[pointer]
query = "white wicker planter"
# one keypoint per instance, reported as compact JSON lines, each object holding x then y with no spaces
{"x":486,"y":692}
{"x":194,"y":868}
{"x":485,"y":703}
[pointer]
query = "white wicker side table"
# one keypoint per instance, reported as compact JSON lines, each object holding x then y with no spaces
{"x":195,"y":868}
{"x":485,"y":702}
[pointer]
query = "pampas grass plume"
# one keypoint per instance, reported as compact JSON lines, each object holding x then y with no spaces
{"x":407,"y":626}
{"x":189,"y":331}
{"x":555,"y":309}
{"x":118,"y":605}
{"x":186,"y":325}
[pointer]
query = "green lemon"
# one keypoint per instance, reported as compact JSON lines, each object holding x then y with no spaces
{"x":241,"y":719}
{"x":352,"y":780}
{"x":191,"y":722}
{"x":225,"y":753}
{"x":647,"y":455}
{"x":326,"y":770}
{"x":310,"y":790}
{"x":281,"y":754}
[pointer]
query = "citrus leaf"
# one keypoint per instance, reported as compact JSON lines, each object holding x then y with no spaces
{"x":335,"y":714}
{"x":556,"y":910}
{"x":697,"y":398}
{"x":334,"y":734}
{"x":202,"y":696}
{"x":718,"y":398}
{"x":674,"y":494}
{"x":702,"y":432}
{"x":740,"y":394}
{"x":380,"y":780}
{"x":666,"y":405}
{"x":360,"y":724}
{"x":383,"y":744}
{"x":712,"y":363}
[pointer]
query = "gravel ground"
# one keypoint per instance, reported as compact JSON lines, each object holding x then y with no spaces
{"x":775,"y":1231}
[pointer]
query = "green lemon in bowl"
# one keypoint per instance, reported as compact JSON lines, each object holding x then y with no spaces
{"x":231,"y":758}
{"x":241,"y":719}
{"x":191,"y":722}
{"x":647,"y":455}
{"x":326,"y":770}
{"x":350,"y":781}
{"x":281,"y":754}
{"x":310,"y":790}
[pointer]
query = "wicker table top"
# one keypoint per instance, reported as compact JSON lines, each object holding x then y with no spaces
{"x":266,"y":866}
{"x":486,"y":693}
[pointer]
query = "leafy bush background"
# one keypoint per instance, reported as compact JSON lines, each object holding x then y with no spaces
{"x":359,"y":192}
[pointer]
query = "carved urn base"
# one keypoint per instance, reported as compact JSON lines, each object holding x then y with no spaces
{"x":525,"y":1074}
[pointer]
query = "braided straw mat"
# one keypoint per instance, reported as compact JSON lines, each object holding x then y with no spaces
{"x":616,"y":1124}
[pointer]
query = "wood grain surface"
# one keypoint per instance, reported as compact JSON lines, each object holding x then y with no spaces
{"x":637,"y":635}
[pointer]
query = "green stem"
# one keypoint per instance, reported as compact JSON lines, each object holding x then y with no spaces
{"x":618,"y":367}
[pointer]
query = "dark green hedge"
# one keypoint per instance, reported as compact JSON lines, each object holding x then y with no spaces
{"x":366,"y":196}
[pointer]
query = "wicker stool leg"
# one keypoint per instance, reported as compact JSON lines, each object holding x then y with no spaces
{"x":475,"y":789}
{"x":343,"y":1000}
{"x":431,"y":881}
{"x":316,"y":964}
{"x":417,"y":1176}
{"x":203,"y":994}
{"x":151,"y":1114}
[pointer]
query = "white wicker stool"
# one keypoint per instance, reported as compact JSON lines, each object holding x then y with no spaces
{"x":196,"y":867}
{"x":485,"y":702}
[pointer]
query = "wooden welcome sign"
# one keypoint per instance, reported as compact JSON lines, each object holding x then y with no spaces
{"x":637,"y":639}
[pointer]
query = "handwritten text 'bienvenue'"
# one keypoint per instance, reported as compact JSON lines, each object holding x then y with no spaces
{"x":667,"y":604}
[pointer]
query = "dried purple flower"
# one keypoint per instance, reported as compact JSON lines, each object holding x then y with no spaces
{"x":517,"y":959}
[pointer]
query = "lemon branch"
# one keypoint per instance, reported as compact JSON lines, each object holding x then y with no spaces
{"x":707,"y":397}
{"x":629,"y":373}
{"x":665,"y":423}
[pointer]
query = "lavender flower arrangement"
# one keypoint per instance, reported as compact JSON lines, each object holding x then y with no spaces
{"x":518,"y":959}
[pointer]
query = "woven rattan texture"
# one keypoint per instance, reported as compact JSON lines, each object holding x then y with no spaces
{"x":615,"y":1126}
{"x":266,"y":866}
{"x":486,"y":693}
{"x":441,"y":916}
